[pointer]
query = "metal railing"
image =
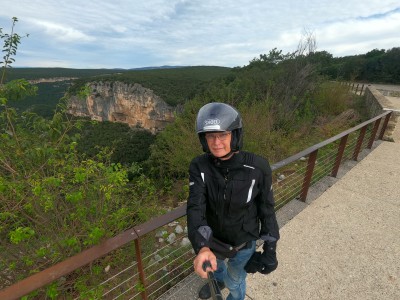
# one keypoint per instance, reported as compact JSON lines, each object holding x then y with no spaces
{"x":356,"y":88}
{"x":159,"y":261}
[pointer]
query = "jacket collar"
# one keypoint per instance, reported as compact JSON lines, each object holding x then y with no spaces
{"x":235,"y":160}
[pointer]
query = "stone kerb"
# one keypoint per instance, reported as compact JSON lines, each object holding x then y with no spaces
{"x":377,"y":103}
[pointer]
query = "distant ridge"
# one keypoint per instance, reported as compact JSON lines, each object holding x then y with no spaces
{"x":40,"y":73}
{"x":159,"y":67}
{"x":140,"y":68}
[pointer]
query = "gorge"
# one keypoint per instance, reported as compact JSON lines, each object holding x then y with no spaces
{"x":121,"y":102}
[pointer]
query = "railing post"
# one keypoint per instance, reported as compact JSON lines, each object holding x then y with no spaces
{"x":384,"y":126}
{"x":308,"y":176}
{"x":357,"y":88}
{"x":339,"y":155}
{"x":373,"y":134}
{"x":140,"y":268}
{"x":362,"y":89}
{"x":359,"y":142}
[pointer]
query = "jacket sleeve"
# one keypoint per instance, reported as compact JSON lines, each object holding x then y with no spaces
{"x":266,"y":205}
{"x":198,"y":230}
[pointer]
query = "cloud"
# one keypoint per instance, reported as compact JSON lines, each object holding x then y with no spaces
{"x":360,"y":35}
{"x":136,"y":33}
{"x":63,"y":33}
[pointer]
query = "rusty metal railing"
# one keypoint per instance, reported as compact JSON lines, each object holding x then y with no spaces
{"x":154,"y":270}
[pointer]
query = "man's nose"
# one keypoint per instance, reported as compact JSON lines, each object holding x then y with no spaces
{"x":216,"y":140}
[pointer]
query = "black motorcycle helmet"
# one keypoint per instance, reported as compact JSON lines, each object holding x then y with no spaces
{"x":220,"y":117}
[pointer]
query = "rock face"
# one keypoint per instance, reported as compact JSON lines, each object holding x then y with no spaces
{"x":126,"y":103}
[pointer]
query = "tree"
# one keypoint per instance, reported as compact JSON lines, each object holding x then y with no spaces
{"x":391,"y":65}
{"x":10,"y":46}
{"x":55,"y":202}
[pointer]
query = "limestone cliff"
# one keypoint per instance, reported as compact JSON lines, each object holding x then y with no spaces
{"x":120,"y":102}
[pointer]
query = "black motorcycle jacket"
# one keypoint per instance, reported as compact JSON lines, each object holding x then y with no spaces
{"x":231,"y":200}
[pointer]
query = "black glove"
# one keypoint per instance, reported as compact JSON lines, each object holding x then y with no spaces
{"x":254,"y":263}
{"x":264,"y":263}
{"x":269,"y":261}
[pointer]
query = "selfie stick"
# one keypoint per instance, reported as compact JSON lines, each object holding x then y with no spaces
{"x":212,"y":282}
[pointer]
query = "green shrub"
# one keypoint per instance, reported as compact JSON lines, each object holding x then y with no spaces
{"x":54,"y":201}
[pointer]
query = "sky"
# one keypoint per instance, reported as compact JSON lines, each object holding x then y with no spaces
{"x":148,"y":33}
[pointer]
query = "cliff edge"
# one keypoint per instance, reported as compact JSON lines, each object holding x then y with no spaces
{"x":121,"y":102}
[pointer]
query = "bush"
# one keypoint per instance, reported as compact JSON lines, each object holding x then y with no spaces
{"x":127,"y":145}
{"x":55,"y":202}
{"x":280,"y":97}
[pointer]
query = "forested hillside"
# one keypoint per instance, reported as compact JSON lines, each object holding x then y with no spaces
{"x":45,"y":101}
{"x":378,"y":66}
{"x":36,"y":73}
{"x":175,"y":86}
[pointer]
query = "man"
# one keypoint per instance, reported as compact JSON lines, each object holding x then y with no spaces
{"x":230,"y":204}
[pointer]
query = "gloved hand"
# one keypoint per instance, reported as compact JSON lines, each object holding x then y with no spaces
{"x":265,"y":262}
{"x":268,"y":260}
{"x":254,"y":263}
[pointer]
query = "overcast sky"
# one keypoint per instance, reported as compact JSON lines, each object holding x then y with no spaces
{"x":142,"y":33}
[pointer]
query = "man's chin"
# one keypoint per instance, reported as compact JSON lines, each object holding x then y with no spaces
{"x":219,"y":154}
{"x":223,"y":156}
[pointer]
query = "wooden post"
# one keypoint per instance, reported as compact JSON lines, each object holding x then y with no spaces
{"x":384,"y":126}
{"x":339,"y":155}
{"x":359,"y":142}
{"x":140,"y":268}
{"x":373,"y":134}
{"x":308,"y":176}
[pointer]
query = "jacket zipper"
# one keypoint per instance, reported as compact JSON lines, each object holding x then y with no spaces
{"x":226,"y":179}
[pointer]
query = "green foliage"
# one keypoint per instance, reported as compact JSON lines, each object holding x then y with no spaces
{"x":83,"y":92}
{"x":280,"y":98}
{"x":140,"y":287}
{"x":175,"y":85}
{"x":331,"y":98}
{"x":274,"y":57}
{"x":128,"y":145}
{"x":51,"y":291}
{"x":176,"y":145}
{"x":374,"y":66}
{"x":17,"y":90}
{"x":45,"y":101}
{"x":10,"y":46}
{"x":21,"y":234}
{"x":54,"y":201}
{"x":94,"y":236}
{"x":40,"y":73}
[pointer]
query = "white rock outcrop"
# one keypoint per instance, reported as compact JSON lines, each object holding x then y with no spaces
{"x":126,"y":103}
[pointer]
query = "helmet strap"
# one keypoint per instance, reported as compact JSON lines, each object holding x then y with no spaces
{"x":226,"y":155}
{"x":203,"y":143}
{"x":237,"y":141}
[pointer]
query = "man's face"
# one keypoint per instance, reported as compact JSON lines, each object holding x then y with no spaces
{"x":219,"y":143}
